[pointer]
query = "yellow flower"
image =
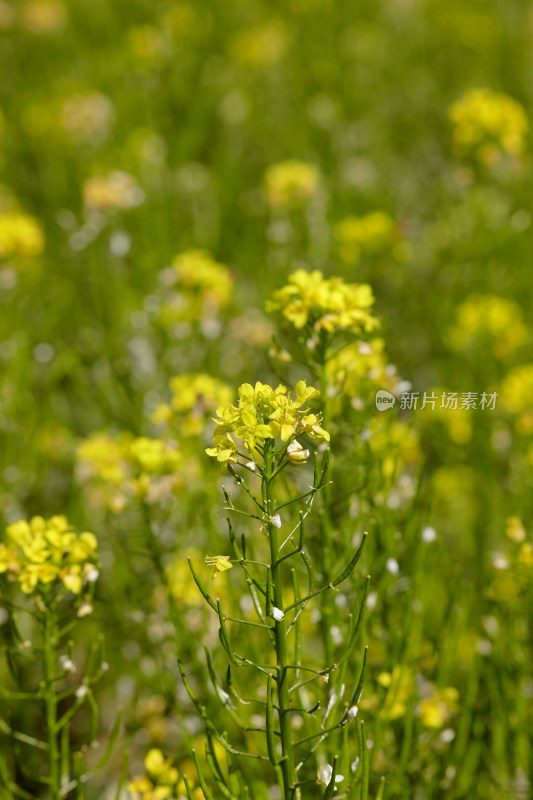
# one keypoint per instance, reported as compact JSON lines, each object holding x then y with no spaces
{"x":162,"y":779}
{"x":8,"y":560}
{"x":83,"y":547}
{"x":114,"y":190}
{"x":291,"y":183}
{"x":155,"y":455}
{"x":201,"y":288}
{"x":220,"y":563}
{"x":488,"y":124}
{"x":296,"y":453}
{"x":43,"y":16}
{"x":515,"y":529}
{"x":45,"y":550}
{"x":400,"y":685}
{"x":363,"y":236}
{"x":517,"y":389}
{"x":72,"y":579}
{"x":194,"y":396}
{"x":437,"y":709}
{"x":327,"y":304}
{"x":264,"y":413}
{"x":20,"y":235}
{"x":34,"y":574}
{"x":525,"y":555}
{"x":196,"y":269}
{"x":87,"y":117}
{"x":492,"y":320}
{"x":261,"y":46}
{"x":105,"y":457}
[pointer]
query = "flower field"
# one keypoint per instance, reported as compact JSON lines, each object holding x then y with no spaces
{"x":266,"y":400}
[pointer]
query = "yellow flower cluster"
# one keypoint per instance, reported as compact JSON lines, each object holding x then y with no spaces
{"x":325,"y":304}
{"x":20,"y":235}
{"x":127,"y":467}
{"x":488,"y":124}
{"x":43,"y":16}
{"x":400,"y":685}
{"x":291,"y":184}
{"x":264,"y":413}
{"x":517,"y":389}
{"x":161,"y":782}
{"x":261,"y":46}
{"x":202,"y":285}
{"x":492,"y":320}
{"x":438,"y":707}
{"x":194,"y":396}
{"x":371,"y":234}
{"x":115,"y":190}
{"x":42,"y":551}
{"x":395,"y":443}
{"x":457,"y":422}
{"x":87,"y":117}
{"x":359,"y":367}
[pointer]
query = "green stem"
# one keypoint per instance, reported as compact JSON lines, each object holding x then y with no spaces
{"x":327,"y":609}
{"x":284,"y":703}
{"x":50,"y":700}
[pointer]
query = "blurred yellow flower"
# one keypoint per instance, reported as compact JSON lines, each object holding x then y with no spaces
{"x":201,"y":288}
{"x":291,"y":183}
{"x":162,"y":781}
{"x":43,"y":16}
{"x":149,"y":45}
{"x":492,"y":320}
{"x":45,"y":550}
{"x":20,"y":235}
{"x":261,"y":46}
{"x":517,"y":389}
{"x":114,"y":190}
{"x":515,"y":530}
{"x":447,"y":411}
{"x":194,"y":397}
{"x":488,"y":124}
{"x":368,"y":235}
{"x":400,"y":685}
{"x":7,"y":14}
{"x":123,"y":467}
{"x":359,"y":368}
{"x":87,"y":117}
{"x":438,"y":707}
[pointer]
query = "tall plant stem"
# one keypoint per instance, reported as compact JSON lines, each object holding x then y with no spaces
{"x":284,"y":703}
{"x":50,"y":699}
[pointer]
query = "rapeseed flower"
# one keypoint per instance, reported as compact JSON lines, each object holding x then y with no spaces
{"x":488,"y":124}
{"x":42,"y":551}
{"x":200,"y":286}
{"x":371,"y":234}
{"x":194,"y":396}
{"x":112,"y":191}
{"x":119,"y":468}
{"x":87,"y":117}
{"x":489,"y":320}
{"x":261,"y":46}
{"x":162,"y":780}
{"x":264,"y":413}
{"x":310,"y":300}
{"x":43,"y":16}
{"x":20,"y":235}
{"x":291,"y":184}
{"x":438,"y":707}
